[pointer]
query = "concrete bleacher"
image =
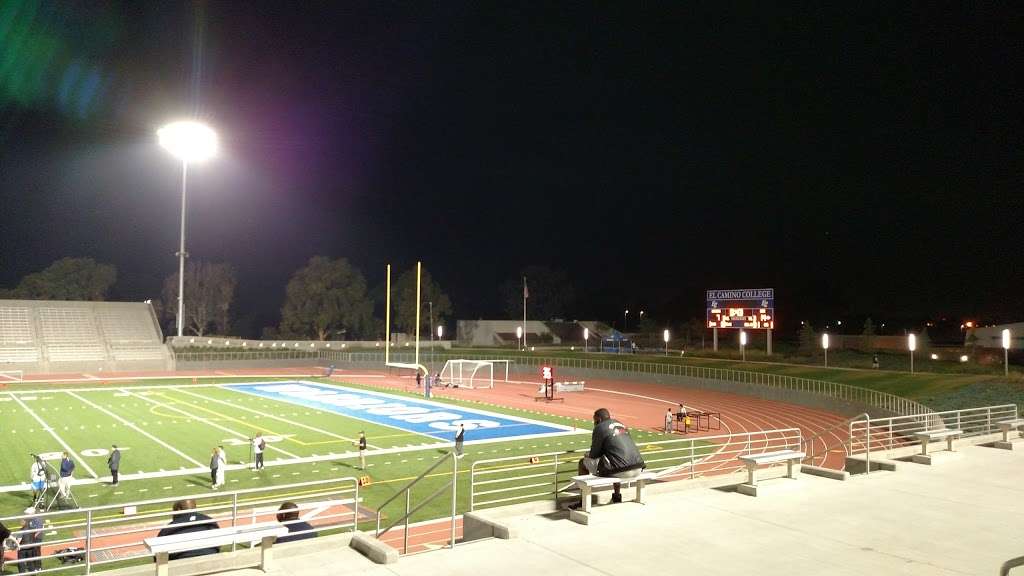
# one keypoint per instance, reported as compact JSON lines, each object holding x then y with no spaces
{"x":60,"y":336}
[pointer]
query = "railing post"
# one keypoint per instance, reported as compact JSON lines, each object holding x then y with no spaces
{"x":234,"y":514}
{"x":88,"y":542}
{"x":455,"y":484}
{"x":867,"y":452}
{"x":405,"y":537}
{"x":355,"y":513}
{"x":556,"y":479}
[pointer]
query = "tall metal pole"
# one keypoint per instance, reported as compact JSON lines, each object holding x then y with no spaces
{"x":431,"y":305}
{"x":387,"y":318}
{"x":181,"y":252}
{"x":524,"y":313}
{"x":418,"y":270}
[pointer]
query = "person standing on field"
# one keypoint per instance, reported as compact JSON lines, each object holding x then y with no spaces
{"x":362,"y":451}
{"x":668,"y":421}
{"x":258,"y":446}
{"x":214,"y":467}
{"x":114,"y":463}
{"x":222,"y":468}
{"x":460,"y":437}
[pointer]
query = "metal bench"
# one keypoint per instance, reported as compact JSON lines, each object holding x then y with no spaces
{"x":588,"y":483}
{"x":753,"y":461}
{"x":264,"y":533}
{"x":1007,"y":426}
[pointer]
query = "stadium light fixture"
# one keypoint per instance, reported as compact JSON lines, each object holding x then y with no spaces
{"x":1006,"y":351}
{"x":824,"y":346}
{"x":190,"y":142}
{"x":912,"y":345}
{"x":586,"y":340}
{"x":665,"y":336}
{"x":519,"y":337}
{"x":743,"y":345}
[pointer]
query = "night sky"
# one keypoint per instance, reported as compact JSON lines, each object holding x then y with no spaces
{"x":862,"y":160}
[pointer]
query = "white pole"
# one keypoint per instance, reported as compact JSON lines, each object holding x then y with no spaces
{"x":1006,"y":351}
{"x":912,"y":345}
{"x":181,"y":252}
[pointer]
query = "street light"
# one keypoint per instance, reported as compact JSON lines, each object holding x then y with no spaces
{"x":666,"y":341}
{"x":519,"y":336}
{"x":189,"y":142}
{"x":1006,"y":351}
{"x":824,"y":346}
{"x":624,"y":318}
{"x":743,"y":345}
{"x":586,"y":340}
{"x":912,"y":344}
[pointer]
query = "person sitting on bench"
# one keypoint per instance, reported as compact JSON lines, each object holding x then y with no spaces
{"x":185,"y":520}
{"x":613,"y":454}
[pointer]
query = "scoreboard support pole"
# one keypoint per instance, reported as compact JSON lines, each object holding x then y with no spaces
{"x":714,"y":336}
{"x":769,"y":341}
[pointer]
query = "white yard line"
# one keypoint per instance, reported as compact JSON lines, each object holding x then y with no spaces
{"x":265,"y":415}
{"x":137,"y":429}
{"x":205,"y":421}
{"x":49,"y":429}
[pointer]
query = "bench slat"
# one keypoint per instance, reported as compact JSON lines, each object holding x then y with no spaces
{"x":770,"y":457}
{"x":211,"y":538}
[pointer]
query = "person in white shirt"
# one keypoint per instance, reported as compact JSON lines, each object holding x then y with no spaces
{"x":258,"y":446}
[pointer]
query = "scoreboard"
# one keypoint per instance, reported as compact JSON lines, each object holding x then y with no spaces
{"x":751,"y":318}
{"x":749,"y":309}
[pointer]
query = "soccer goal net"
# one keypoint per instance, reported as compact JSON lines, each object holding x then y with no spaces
{"x":474,"y":373}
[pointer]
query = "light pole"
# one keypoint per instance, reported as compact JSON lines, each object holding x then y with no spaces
{"x":519,"y":337}
{"x":586,"y":340}
{"x":743,"y":345}
{"x":1006,"y":352}
{"x":824,"y":346}
{"x":440,"y":333}
{"x":666,"y":341}
{"x":189,"y":142}
{"x":625,"y":316}
{"x":912,"y":345}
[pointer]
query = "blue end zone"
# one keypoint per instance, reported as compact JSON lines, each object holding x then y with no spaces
{"x":425,"y":417}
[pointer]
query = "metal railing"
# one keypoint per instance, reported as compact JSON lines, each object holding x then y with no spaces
{"x":1010,"y":564}
{"x":517,"y":479}
{"x":768,"y":381}
{"x":410,"y":510}
{"x":888,"y":434}
{"x":228,"y":356}
{"x":115,"y":533}
{"x":809,"y":442}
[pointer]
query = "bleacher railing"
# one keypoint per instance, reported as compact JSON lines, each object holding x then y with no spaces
{"x":889,"y":434}
{"x":114,"y":534}
{"x":518,"y":479}
{"x":248,"y":355}
{"x":865,"y":396}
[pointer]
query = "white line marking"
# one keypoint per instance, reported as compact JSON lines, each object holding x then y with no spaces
{"x":208,"y":422}
{"x":56,"y":437}
{"x":139,"y":430}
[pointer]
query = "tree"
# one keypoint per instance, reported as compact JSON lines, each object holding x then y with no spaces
{"x":808,"y":339}
{"x":209,"y":291}
{"x":551,"y":294}
{"x":404,"y":303}
{"x":68,"y":279}
{"x":867,"y":340}
{"x":324,"y":297}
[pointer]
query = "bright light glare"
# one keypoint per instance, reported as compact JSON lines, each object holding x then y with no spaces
{"x":586,"y":333}
{"x":824,"y":341}
{"x":743,"y":338}
{"x":912,"y":342}
{"x":1006,"y":339}
{"x":934,"y":356}
{"x":666,"y":335}
{"x":519,"y":331}
{"x":440,"y":331}
{"x":189,"y":141}
{"x":964,"y":358}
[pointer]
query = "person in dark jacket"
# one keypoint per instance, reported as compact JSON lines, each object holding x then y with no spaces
{"x":67,"y":475}
{"x":288,"y":514}
{"x":188,"y":520}
{"x":31,"y":541}
{"x":613,"y":453}
{"x":114,"y":463}
{"x":460,"y":438}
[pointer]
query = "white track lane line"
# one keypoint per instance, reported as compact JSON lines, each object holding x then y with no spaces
{"x":205,"y":421}
{"x":49,"y":429}
{"x":265,"y":415}
{"x":137,"y":429}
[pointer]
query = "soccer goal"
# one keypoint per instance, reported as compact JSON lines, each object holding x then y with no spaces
{"x":474,"y":373}
{"x":11,"y":376}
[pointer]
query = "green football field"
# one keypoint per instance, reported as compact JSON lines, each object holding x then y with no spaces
{"x":167,"y":430}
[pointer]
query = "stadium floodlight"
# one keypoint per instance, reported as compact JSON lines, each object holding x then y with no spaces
{"x":743,"y":345}
{"x":665,"y":337}
{"x":586,"y":340}
{"x":1006,"y":351}
{"x":824,"y":346}
{"x":188,"y":141}
{"x":912,"y":345}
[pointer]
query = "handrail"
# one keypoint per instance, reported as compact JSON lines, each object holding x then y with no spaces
{"x":410,"y":510}
{"x":809,"y":442}
{"x":1010,"y":564}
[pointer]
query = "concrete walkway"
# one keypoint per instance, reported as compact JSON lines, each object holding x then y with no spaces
{"x":959,"y":516}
